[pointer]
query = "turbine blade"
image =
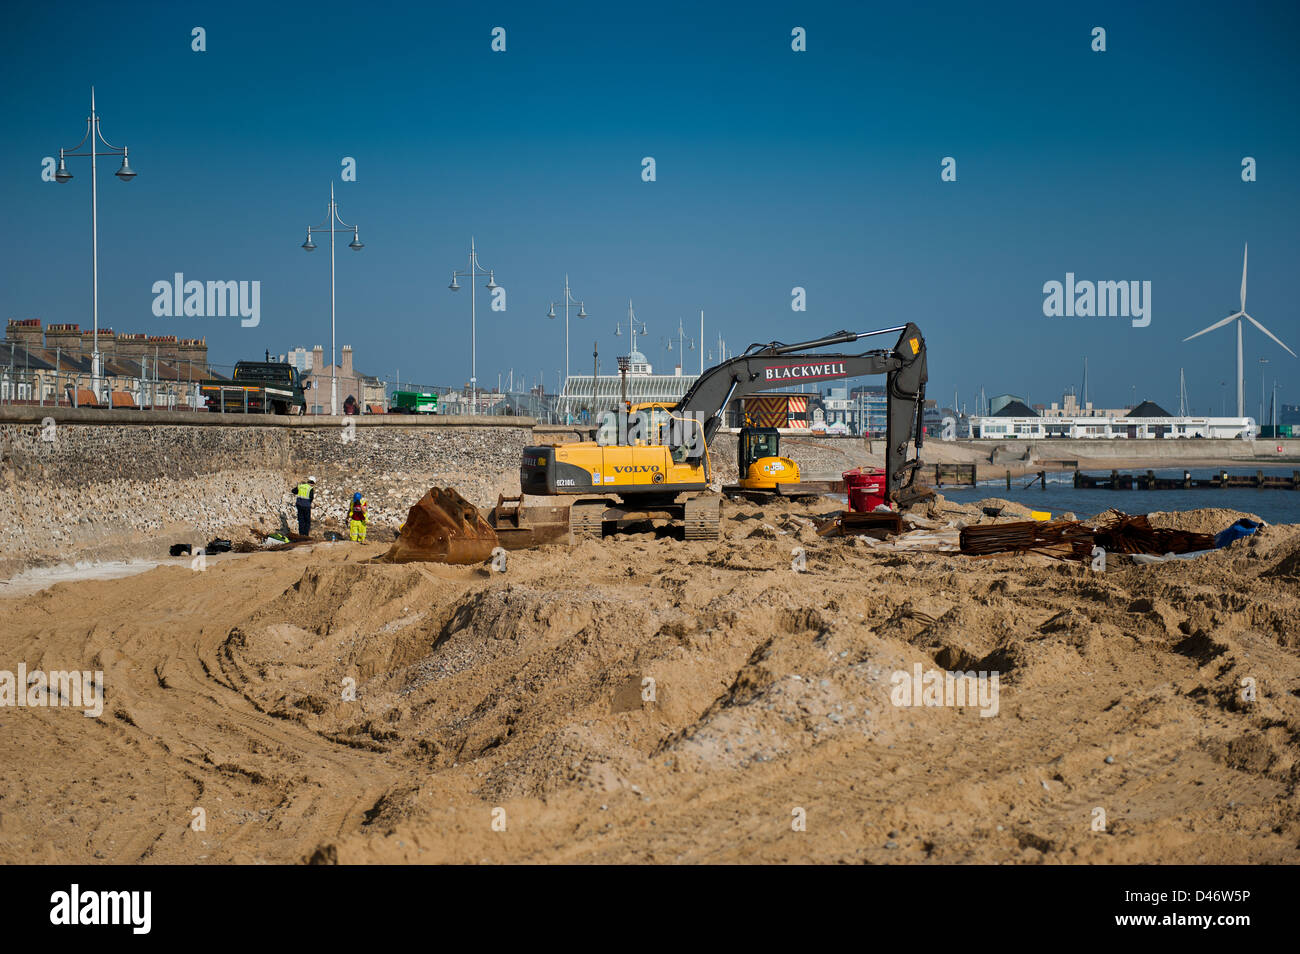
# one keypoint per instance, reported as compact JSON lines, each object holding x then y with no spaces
{"x":1214,"y":327}
{"x":1271,"y":335}
{"x":1244,"y":252}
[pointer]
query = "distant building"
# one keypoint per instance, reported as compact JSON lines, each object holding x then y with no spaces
{"x":863,"y":410}
{"x":366,"y":389}
{"x":874,"y":402}
{"x":961,"y":423}
{"x":1015,"y":408}
{"x":1016,"y":426}
{"x":579,"y":394}
{"x":299,"y":358}
{"x":585,"y":394}
{"x":53,"y":365}
{"x":931,"y":418}
{"x":1070,"y":407}
{"x":839,"y":411}
{"x":637,"y":363}
{"x":999,"y":401}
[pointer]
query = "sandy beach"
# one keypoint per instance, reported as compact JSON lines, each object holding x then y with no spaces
{"x":644,"y":699}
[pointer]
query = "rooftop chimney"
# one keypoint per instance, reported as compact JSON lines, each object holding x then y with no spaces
{"x":107,"y":342}
{"x":25,"y":332}
{"x":193,"y":352}
{"x":64,"y":337}
{"x":166,"y":347}
{"x":130,"y":346}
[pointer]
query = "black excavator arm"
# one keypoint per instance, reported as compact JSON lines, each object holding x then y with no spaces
{"x":766,"y":367}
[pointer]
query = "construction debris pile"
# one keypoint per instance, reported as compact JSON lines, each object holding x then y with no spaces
{"x":1121,"y":533}
{"x":848,"y":523}
{"x":1060,"y":538}
{"x":1115,"y":532}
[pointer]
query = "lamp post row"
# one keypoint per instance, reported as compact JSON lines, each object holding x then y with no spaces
{"x":96,"y":137}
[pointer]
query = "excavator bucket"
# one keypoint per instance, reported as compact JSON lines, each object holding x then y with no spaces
{"x":443,"y":527}
{"x":519,"y":527}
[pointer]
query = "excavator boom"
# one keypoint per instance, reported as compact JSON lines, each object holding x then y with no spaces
{"x":778,"y":365}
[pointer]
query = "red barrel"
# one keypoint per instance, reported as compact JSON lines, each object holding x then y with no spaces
{"x":866,"y":487}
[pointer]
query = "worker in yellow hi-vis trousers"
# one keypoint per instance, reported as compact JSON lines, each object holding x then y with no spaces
{"x":357,"y":518}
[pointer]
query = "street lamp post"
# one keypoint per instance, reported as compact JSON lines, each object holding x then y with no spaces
{"x":126,"y":174}
{"x":356,"y":246}
{"x":721,"y":351}
{"x":582,"y":313}
{"x":632,"y":322}
{"x":684,"y":341}
{"x":474,"y":270}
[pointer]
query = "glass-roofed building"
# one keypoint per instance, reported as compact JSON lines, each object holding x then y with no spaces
{"x":578,"y":399}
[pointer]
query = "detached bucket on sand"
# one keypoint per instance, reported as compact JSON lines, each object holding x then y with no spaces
{"x":443,"y":527}
{"x":866,"y":488}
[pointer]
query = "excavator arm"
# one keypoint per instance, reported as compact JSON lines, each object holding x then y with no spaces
{"x":766,"y":367}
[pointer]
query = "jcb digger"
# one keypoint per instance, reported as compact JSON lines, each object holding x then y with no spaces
{"x":651,"y":462}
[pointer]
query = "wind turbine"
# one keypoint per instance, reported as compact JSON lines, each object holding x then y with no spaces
{"x":1241,"y":385}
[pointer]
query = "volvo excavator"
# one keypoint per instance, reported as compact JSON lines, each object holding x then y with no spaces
{"x":651,"y":461}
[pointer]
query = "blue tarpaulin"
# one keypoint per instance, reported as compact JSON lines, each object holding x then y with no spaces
{"x":1242,"y":528}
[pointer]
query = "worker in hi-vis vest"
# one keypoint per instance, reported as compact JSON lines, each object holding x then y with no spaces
{"x":303,"y":495}
{"x":357,"y":518}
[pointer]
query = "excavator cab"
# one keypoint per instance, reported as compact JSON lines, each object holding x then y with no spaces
{"x":759,"y":460}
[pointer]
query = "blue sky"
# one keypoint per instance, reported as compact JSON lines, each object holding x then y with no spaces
{"x":774,"y":169}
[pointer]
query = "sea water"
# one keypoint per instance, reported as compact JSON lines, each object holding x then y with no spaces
{"x":1060,"y":495}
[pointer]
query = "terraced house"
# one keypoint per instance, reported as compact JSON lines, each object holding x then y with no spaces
{"x":51,"y":366}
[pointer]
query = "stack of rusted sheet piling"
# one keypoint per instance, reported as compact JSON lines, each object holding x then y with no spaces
{"x":1056,"y":538}
{"x":1121,"y":533}
{"x":1070,"y":540}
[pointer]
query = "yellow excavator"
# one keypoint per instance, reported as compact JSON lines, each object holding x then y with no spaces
{"x":651,"y":461}
{"x":760,"y":464}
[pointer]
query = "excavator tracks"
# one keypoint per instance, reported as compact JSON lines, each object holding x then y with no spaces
{"x":702,"y":518}
{"x":587,"y":519}
{"x":698,"y":516}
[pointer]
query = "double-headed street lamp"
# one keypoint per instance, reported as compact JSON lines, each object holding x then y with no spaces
{"x":632,"y":322}
{"x":582,"y":313}
{"x":126,"y":174}
{"x":684,"y":342}
{"x":474,"y":270}
{"x":310,"y":246}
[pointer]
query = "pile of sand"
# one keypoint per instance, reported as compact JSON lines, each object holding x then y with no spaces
{"x":641,"y":698}
{"x":1209,"y":520}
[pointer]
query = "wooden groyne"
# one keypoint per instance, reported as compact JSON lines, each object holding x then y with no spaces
{"x":1220,"y":481}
